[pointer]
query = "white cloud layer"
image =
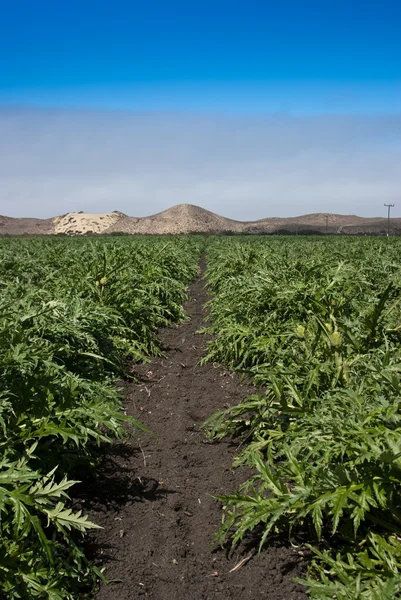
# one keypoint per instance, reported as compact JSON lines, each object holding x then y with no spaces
{"x":57,"y":161}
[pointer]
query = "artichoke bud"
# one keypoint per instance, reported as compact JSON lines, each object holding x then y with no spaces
{"x":335,"y":339}
{"x":301,"y":332}
{"x":103,"y":281}
{"x":97,"y":284}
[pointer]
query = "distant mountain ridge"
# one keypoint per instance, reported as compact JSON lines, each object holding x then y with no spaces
{"x":187,"y":218}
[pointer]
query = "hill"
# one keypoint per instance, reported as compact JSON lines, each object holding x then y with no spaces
{"x":187,"y":218}
{"x":25,"y":226}
{"x":182,"y":218}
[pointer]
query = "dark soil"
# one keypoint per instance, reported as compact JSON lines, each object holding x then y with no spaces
{"x":154,"y":499}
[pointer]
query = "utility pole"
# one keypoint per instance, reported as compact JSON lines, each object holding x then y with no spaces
{"x":327,"y":223}
{"x":389,"y":206}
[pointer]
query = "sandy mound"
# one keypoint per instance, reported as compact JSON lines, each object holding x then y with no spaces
{"x":79,"y":223}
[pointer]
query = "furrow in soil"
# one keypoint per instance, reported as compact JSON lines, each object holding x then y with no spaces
{"x":154,"y":495}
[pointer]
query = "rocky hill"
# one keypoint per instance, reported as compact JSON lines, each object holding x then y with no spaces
{"x":186,"y":218}
{"x":14,"y":226}
{"x":182,"y":218}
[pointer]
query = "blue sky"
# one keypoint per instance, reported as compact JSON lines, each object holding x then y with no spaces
{"x":302,"y":56}
{"x":225,"y":61}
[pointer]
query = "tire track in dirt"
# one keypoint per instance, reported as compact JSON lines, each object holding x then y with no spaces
{"x":153,"y":497}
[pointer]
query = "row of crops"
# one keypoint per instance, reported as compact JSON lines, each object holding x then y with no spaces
{"x":73,"y":313}
{"x":317,"y":324}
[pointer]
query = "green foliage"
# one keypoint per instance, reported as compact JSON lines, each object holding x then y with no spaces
{"x":316,"y":324}
{"x":373,"y":572}
{"x":72,"y":312}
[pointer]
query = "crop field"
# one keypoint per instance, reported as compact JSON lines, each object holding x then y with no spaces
{"x":278,"y":355}
{"x":316,"y":324}
{"x":72,"y":313}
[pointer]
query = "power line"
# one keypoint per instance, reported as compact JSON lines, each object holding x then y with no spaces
{"x":389,"y":206}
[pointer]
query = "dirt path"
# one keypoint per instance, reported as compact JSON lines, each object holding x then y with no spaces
{"x":155,"y":502}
